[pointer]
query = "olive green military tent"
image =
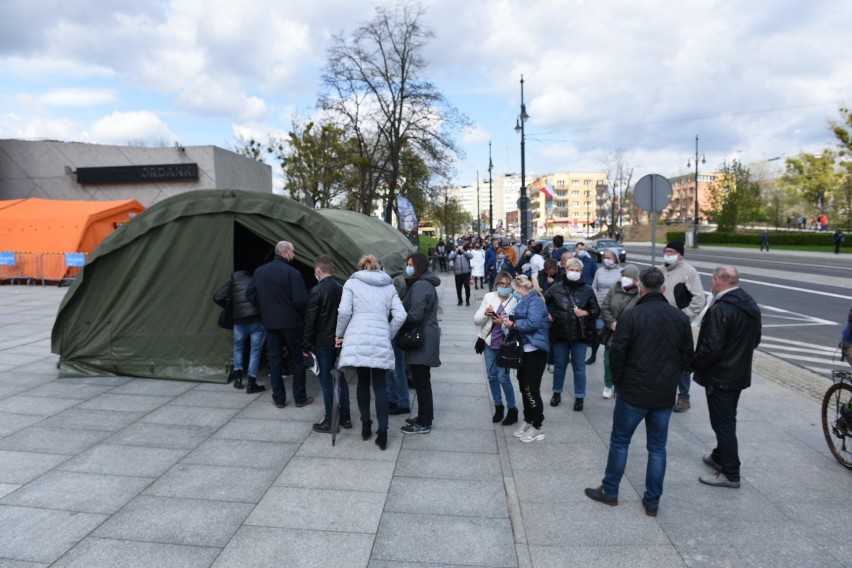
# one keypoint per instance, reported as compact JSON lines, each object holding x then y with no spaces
{"x":142,"y":304}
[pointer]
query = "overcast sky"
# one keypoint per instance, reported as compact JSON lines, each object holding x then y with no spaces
{"x":753,"y":79}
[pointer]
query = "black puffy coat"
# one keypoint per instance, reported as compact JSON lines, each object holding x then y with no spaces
{"x":235,"y":290}
{"x":651,"y":347}
{"x":321,"y":313}
{"x":730,"y":332}
{"x":561,"y":298}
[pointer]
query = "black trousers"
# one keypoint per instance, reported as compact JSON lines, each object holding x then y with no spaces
{"x":529,"y":379}
{"x":276,"y":340}
{"x":722,"y":408}
{"x":421,"y":376}
{"x":463,"y":280}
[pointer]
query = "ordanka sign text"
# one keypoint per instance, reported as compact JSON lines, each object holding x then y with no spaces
{"x":138,"y":174}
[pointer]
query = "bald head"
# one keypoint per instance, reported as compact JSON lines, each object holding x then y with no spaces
{"x":725,"y":278}
{"x":285,"y":249}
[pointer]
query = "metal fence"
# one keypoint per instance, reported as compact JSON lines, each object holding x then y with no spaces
{"x":40,"y":267}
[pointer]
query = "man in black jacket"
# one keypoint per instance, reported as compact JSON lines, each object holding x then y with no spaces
{"x":651,"y":347}
{"x":280,"y":293}
{"x":320,"y":325}
{"x":730,"y":332}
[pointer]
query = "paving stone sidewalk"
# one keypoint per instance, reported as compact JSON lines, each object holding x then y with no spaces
{"x":123,"y":472}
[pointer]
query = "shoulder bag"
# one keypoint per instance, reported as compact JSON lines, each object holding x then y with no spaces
{"x":511,"y":354}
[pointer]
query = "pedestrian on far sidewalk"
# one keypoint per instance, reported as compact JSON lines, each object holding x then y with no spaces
{"x":764,"y":240}
{"x":730,"y":332}
{"x":460,"y":258}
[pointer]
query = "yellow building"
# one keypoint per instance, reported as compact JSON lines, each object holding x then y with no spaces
{"x":682,"y":207}
{"x":573,"y":207}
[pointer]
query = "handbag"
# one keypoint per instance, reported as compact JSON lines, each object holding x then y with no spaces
{"x":511,"y":354}
{"x":410,"y":339}
{"x":479,"y":346}
{"x":226,"y":318}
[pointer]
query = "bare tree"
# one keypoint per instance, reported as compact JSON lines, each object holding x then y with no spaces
{"x":619,"y":173}
{"x":374,"y":82}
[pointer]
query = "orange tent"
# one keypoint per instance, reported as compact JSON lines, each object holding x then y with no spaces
{"x":41,"y":231}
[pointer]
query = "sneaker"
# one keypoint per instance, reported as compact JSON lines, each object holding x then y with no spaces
{"x":708,"y":459}
{"x":416,"y":429}
{"x":599,"y":495}
{"x":682,"y":404}
{"x":522,"y":431}
{"x":533,"y":435}
{"x":719,"y":479}
{"x":607,"y":392}
{"x":411,"y":420}
{"x":555,"y":399}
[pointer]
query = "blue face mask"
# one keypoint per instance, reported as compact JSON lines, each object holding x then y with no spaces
{"x":517,"y":295}
{"x":409,"y":271}
{"x":504,"y":292}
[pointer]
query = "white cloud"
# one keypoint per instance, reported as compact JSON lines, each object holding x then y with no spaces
{"x":77,"y":97}
{"x":123,"y":127}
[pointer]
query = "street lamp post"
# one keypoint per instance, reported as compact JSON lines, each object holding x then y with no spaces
{"x":490,"y":196}
{"x":478,"y":212}
{"x":688,"y":164}
{"x":523,"y":202}
{"x":588,"y":205}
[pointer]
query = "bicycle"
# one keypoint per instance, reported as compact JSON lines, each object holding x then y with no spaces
{"x":837,"y":417}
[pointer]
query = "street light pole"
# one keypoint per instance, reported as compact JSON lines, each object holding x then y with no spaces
{"x":523,"y":202}
{"x":703,"y":161}
{"x":478,"y":212}
{"x":490,"y":196}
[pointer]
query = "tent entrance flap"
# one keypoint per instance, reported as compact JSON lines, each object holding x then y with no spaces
{"x":251,"y":251}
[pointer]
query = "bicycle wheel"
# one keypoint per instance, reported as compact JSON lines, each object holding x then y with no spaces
{"x":837,"y":430}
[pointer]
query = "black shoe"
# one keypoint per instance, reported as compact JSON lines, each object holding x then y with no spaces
{"x":578,"y":404}
{"x":323,"y":427}
{"x":397,"y":410}
{"x":511,"y":417}
{"x":280,"y":404}
{"x":253,"y":387}
{"x":346,"y":422}
{"x":410,"y":385}
{"x":460,"y":303}
{"x":555,"y":399}
{"x":467,"y":302}
{"x":382,"y":439}
{"x":366,"y":429}
{"x":598,"y":494}
{"x":238,"y":379}
{"x":498,"y":413}
{"x":231,"y":376}
{"x":591,"y":360}
{"x":391,"y":407}
{"x":650,"y":511}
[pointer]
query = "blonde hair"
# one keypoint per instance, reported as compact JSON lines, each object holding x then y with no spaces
{"x":522,"y":281}
{"x":369,"y":262}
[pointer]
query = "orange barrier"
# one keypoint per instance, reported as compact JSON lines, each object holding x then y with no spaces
{"x":48,"y":267}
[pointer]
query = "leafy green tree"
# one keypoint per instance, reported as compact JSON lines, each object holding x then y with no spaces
{"x":447,"y":212}
{"x":813,"y":177}
{"x":735,"y":197}
{"x":843,"y":132}
{"x":317,"y":164}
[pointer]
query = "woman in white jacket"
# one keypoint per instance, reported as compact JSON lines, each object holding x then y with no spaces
{"x":487,"y":318}
{"x":369,"y":316}
{"x":477,"y":266}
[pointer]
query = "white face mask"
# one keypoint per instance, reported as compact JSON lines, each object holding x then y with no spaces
{"x":670,"y":258}
{"x":609,"y":262}
{"x":626,"y":282}
{"x":582,"y":254}
{"x":573,"y":276}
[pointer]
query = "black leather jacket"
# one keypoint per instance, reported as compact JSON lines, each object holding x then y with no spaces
{"x":561,"y":298}
{"x":321,"y":313}
{"x":730,"y":332}
{"x":235,"y":290}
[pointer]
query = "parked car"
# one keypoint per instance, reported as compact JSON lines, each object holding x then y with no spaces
{"x":597,"y":248}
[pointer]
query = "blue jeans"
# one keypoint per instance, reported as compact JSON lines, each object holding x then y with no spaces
{"x":625,"y":419}
{"x":577,"y":351}
{"x":398,"y":381}
{"x":498,"y":377}
{"x":683,"y":385}
{"x":257,"y":333}
{"x":325,"y":355}
{"x":367,"y":375}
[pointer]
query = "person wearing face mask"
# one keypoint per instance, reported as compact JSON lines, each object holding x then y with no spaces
{"x":320,"y":327}
{"x":530,"y":319}
{"x":683,"y":290}
{"x":605,"y":278}
{"x":488,"y":318}
{"x":619,"y":299}
{"x":508,"y":251}
{"x":477,"y":266}
{"x":574,"y":309}
{"x":491,"y":263}
{"x":589,"y":264}
{"x":461,"y":268}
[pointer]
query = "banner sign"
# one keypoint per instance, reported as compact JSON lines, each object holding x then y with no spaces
{"x":138,"y":174}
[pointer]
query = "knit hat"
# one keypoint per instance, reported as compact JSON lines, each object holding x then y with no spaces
{"x":630,"y":271}
{"x":676,"y":245}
